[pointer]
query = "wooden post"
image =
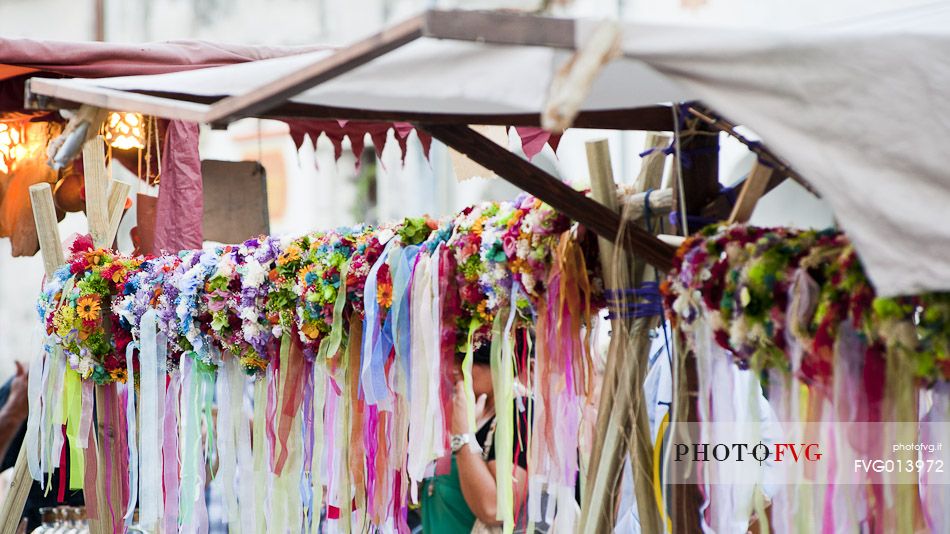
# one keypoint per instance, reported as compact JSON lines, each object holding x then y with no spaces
{"x":15,"y":500}
{"x":51,"y":248}
{"x":47,"y":229}
{"x":701,"y":181}
{"x":118,"y":194}
{"x":100,"y":223}
{"x":622,"y":423}
{"x":752,"y":190}
{"x":97,"y":184}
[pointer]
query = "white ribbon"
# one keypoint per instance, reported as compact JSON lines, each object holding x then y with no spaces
{"x":130,"y":432}
{"x":35,"y":385}
{"x":420,"y":302}
{"x":150,"y":374}
{"x":242,"y":429}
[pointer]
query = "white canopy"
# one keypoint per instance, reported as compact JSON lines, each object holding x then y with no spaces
{"x":857,"y":109}
{"x":426,"y":75}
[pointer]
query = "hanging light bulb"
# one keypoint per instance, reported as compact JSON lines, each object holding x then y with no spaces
{"x":11,"y":145}
{"x":125,"y":131}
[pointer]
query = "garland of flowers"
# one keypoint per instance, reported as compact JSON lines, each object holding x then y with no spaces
{"x":285,"y":309}
{"x":240,"y":299}
{"x":740,"y":278}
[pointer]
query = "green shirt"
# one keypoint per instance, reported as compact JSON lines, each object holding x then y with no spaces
{"x":444,"y":509}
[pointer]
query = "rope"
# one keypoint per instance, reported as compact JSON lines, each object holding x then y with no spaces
{"x":647,"y":302}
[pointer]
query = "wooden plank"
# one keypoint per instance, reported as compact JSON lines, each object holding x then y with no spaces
{"x":51,"y":94}
{"x":651,"y":168}
{"x":596,"y":513}
{"x":752,"y":190}
{"x":701,"y":178}
{"x":498,"y":27}
{"x":592,"y":214}
{"x":46,"y":93}
{"x":17,"y":493}
{"x":346,"y":59}
{"x":661,"y":202}
{"x":47,"y":229}
{"x":700,"y":166}
{"x":97,"y":183}
{"x":783,"y":170}
{"x":118,"y":194}
{"x":51,"y":247}
{"x":622,"y":424}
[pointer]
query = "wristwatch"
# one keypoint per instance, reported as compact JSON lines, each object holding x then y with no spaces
{"x":460,"y":440}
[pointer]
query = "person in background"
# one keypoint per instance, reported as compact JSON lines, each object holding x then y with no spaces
{"x":463,"y":486}
{"x":14,"y":409}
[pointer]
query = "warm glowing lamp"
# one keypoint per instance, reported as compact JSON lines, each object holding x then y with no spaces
{"x":11,"y":145}
{"x":125,"y":131}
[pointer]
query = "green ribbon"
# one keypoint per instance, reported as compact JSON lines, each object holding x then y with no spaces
{"x":316,"y":463}
{"x":503,"y":378}
{"x":331,"y":344}
{"x":467,"y":375}
{"x":72,"y":409}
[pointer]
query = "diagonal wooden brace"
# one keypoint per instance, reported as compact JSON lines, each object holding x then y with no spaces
{"x":560,"y":196}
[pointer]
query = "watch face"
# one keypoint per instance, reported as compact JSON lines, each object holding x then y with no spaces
{"x":457,"y":442}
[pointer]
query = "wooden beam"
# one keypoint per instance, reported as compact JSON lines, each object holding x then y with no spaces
{"x":17,"y":493}
{"x":783,"y":170}
{"x":701,"y":179}
{"x":118,"y":194}
{"x":52,"y":93}
{"x":560,"y":196}
{"x":622,"y":424}
{"x":47,"y":229}
{"x":700,"y":167}
{"x":179,"y":106}
{"x":346,"y":59}
{"x":97,"y":183}
{"x":497,"y":27}
{"x":752,"y":190}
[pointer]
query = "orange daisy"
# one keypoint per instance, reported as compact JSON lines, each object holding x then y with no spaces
{"x":88,"y":307}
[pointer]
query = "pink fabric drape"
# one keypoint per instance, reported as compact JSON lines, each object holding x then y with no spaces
{"x":180,"y":210}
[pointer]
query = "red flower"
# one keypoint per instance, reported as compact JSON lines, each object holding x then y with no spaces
{"x":82,"y":243}
{"x":470,"y":294}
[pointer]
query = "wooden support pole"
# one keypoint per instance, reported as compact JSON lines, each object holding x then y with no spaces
{"x":51,"y":248}
{"x":701,"y":179}
{"x":700,"y":164}
{"x":622,"y":424}
{"x":19,"y":489}
{"x":107,"y":440}
{"x":560,"y":196}
{"x":752,"y":190}
{"x":47,"y":229}
{"x":97,"y":183}
{"x":118,"y":194}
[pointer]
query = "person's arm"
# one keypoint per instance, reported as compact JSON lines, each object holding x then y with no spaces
{"x":14,"y":412}
{"x":476,"y":476}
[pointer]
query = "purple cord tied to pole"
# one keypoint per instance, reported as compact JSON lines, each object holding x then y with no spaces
{"x":644,"y":301}
{"x":694,"y":221}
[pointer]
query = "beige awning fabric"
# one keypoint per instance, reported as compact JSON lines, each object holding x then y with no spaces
{"x":857,"y":108}
{"x":427,"y":75}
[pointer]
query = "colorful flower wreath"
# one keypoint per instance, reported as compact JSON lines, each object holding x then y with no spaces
{"x":758,"y":286}
{"x":241,"y":300}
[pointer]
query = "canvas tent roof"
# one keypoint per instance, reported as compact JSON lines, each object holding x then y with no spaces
{"x":857,"y":108}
